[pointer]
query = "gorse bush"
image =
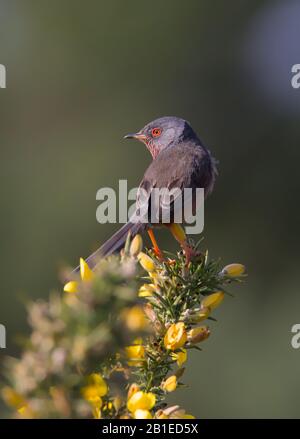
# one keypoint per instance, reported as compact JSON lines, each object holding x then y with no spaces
{"x":114,"y":344}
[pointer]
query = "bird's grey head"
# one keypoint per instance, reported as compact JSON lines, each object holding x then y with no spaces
{"x":164,"y":132}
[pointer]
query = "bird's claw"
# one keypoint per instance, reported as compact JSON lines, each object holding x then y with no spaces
{"x":158,"y":253}
{"x":191,"y":254}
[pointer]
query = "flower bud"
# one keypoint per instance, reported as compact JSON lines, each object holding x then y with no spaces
{"x":178,"y":232}
{"x":170,"y":384}
{"x":71,"y":287}
{"x":213,"y":300}
{"x":85,"y":271}
{"x":136,"y":246}
{"x":200,"y":315}
{"x":234,"y":270}
{"x":196,"y":335}
{"x":146,"y":262}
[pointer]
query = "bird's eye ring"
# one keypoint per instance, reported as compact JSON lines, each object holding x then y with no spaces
{"x":156,"y":132}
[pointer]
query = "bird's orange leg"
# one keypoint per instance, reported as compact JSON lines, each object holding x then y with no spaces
{"x":156,"y":248}
{"x":180,"y":236}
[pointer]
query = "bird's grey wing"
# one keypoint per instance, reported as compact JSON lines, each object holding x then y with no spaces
{"x":174,"y":170}
{"x":160,"y":191}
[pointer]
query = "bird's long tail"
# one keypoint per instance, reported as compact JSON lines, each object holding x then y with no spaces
{"x":114,"y":243}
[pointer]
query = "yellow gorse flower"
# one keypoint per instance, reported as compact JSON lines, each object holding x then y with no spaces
{"x":86,"y":275}
{"x":13,"y":398}
{"x":146,"y":262}
{"x":95,"y":379}
{"x":170,"y":384}
{"x":135,"y":318}
{"x":213,"y":300}
{"x":175,"y":336}
{"x":180,"y":357}
{"x":71,"y":287}
{"x":141,"y":401}
{"x":155,"y":277}
{"x":94,"y":391}
{"x":135,"y":353}
{"x":146,"y":290}
{"x":234,"y":270}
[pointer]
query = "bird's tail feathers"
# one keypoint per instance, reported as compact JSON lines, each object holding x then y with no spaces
{"x":113,"y":244}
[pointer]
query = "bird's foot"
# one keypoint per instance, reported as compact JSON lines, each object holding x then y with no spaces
{"x":191,"y":254}
{"x":158,"y":253}
{"x":170,"y":261}
{"x":156,"y":250}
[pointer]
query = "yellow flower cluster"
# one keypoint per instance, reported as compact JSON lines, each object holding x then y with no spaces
{"x":175,"y":332}
{"x":93,"y":392}
{"x":176,"y":336}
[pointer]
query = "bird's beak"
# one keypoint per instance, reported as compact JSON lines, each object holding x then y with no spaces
{"x":138,"y":136}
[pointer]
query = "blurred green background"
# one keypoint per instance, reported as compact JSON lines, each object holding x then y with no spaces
{"x":80,"y":75}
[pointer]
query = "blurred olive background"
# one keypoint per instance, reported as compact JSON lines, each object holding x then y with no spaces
{"x":80,"y":75}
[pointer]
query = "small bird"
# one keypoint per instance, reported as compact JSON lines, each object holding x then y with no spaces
{"x":180,"y":160}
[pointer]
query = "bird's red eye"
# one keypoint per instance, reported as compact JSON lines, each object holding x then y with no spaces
{"x":156,"y":132}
